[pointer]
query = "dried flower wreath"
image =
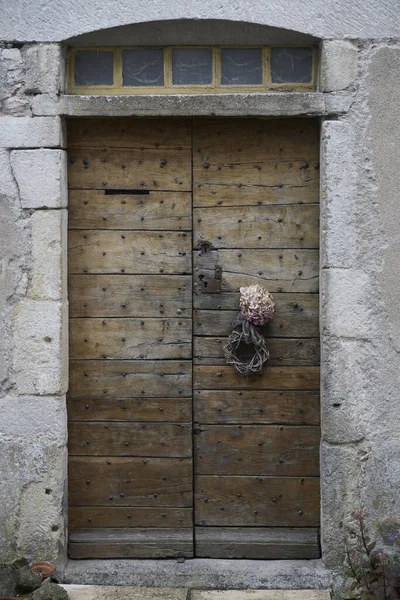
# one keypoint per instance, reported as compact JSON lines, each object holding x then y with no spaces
{"x":256,"y":309}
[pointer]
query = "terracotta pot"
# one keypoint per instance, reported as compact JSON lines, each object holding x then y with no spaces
{"x":46,"y":569}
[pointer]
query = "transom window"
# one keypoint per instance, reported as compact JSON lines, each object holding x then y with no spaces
{"x":191,"y":69}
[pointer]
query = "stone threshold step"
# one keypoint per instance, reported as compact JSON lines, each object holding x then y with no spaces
{"x":97,"y":592}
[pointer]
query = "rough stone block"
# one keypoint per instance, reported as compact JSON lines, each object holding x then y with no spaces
{"x":41,"y":347}
{"x":41,"y":176}
{"x":12,"y":72}
{"x":98,"y":592}
{"x":34,"y":467}
{"x":350,"y":306}
{"x":338,"y":195}
{"x":338,"y":65}
{"x":31,"y":132}
{"x":44,"y":69}
{"x":49,"y":243}
{"x":261,"y":595}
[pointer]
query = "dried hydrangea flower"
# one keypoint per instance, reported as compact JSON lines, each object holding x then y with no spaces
{"x":256,"y":304}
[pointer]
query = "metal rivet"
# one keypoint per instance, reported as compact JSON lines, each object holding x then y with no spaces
{"x":88,"y":481}
{"x":129,"y":516}
{"x":85,"y":339}
{"x":123,"y":339}
{"x":87,"y":406}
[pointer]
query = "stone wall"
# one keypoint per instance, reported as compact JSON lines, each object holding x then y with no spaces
{"x":360,"y":288}
{"x":33,"y":307}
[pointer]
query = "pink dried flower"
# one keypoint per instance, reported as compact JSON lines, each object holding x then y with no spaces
{"x":256,"y":304}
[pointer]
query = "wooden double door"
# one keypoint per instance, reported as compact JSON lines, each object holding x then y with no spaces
{"x":171,"y":453}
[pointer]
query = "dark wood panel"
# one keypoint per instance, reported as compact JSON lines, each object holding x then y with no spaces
{"x":130,"y":516}
{"x":130,"y":409}
{"x":283,"y":351}
{"x":244,"y":407}
{"x":293,"y":318}
{"x":257,"y":501}
{"x":277,"y":270}
{"x":130,"y":439}
{"x":127,"y":168}
{"x":130,"y":132}
{"x":130,"y":338}
{"x":129,"y":378}
{"x":290,"y":226}
{"x":154,"y":211}
{"x":228,"y":141}
{"x":95,"y":251}
{"x":130,"y":295}
{"x":273,"y":450}
{"x":117,"y":481}
{"x":224,"y":377}
{"x":282,"y":183}
{"x":257,"y":543}
{"x":130,"y":543}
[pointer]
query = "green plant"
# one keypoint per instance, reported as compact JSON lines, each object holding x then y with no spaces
{"x":375,"y":574}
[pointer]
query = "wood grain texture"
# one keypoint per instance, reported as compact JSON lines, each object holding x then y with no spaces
{"x":277,"y":270}
{"x":224,"y":377}
{"x":129,"y":378}
{"x":130,"y":296}
{"x":225,"y":141}
{"x":176,"y":410}
{"x":131,"y":543}
{"x":256,"y":407}
{"x":96,"y":251}
{"x":130,"y":133}
{"x":290,"y":226}
{"x":112,"y":516}
{"x":127,"y":168}
{"x":296,"y":316}
{"x":257,"y":501}
{"x":130,"y":439}
{"x":271,"y":450}
{"x":257,"y":543}
{"x":154,"y":211}
{"x":282,"y":183}
{"x":283,"y":351}
{"x":130,"y":338}
{"x":118,"y":481}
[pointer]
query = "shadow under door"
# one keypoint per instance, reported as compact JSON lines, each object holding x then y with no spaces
{"x":171,"y":453}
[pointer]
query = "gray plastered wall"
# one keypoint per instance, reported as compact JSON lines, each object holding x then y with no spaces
{"x":358,"y":103}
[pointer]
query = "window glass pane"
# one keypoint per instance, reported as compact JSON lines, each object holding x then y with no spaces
{"x":94,"y":67}
{"x":291,"y":65}
{"x":143,"y":66}
{"x":191,"y":66}
{"x":241,"y":66}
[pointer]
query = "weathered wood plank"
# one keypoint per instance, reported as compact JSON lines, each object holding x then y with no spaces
{"x":130,"y":439}
{"x":116,"y":481}
{"x":287,"y":185}
{"x":257,"y":543}
{"x":130,"y":338}
{"x":257,"y":501}
{"x":296,"y":316}
{"x":129,"y":378}
{"x":155,"y":211}
{"x":131,"y":543}
{"x":176,"y":410}
{"x":245,"y":407}
{"x":283,"y":351}
{"x":289,"y":226}
{"x":118,"y":516}
{"x":271,"y":450}
{"x":127,"y":168}
{"x":223,"y":377}
{"x":130,"y":252}
{"x":130,"y":296}
{"x":277,"y":270}
{"x":130,"y":133}
{"x":226,"y":141}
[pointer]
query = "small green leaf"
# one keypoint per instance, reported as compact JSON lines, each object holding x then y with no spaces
{"x":370,"y":547}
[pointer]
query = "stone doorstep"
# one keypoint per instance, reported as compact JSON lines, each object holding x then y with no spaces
{"x":96,"y":592}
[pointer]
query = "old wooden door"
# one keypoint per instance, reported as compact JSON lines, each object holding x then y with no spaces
{"x":168,"y":218}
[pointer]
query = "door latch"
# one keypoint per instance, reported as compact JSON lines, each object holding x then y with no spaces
{"x":213,"y":286}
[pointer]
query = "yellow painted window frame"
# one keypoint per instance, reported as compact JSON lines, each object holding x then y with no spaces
{"x":168,"y":88}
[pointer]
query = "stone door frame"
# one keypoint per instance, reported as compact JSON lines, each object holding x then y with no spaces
{"x":38,"y":167}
